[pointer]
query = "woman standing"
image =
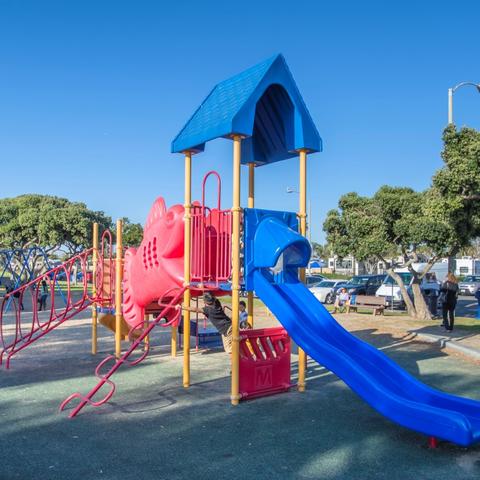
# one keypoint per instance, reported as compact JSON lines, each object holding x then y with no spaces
{"x":449,"y":293}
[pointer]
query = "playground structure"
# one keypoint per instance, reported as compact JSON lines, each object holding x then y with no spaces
{"x":21,"y":265}
{"x":20,"y":327}
{"x":194,"y":248}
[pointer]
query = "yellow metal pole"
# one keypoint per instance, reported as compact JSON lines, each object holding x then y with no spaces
{"x":118,"y":290}
{"x":302,"y":214}
{"x":94,"y":289}
{"x":235,"y":397}
{"x":147,"y":338}
{"x":186,"y":269}
{"x":174,"y":342}
{"x":251,"y":204}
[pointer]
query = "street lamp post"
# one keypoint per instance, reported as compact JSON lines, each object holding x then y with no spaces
{"x":451,"y":91}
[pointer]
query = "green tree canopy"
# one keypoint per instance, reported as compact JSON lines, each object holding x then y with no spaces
{"x":132,"y":233}
{"x":393,"y":224}
{"x":320,"y":251}
{"x":398,"y":222}
{"x":47,"y":221}
{"x":455,"y":191}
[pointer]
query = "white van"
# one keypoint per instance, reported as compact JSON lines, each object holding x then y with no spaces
{"x":432,"y":281}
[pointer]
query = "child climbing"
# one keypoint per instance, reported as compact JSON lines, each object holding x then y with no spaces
{"x":213,"y":310}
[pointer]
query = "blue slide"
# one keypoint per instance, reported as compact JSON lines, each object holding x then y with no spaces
{"x":371,"y":374}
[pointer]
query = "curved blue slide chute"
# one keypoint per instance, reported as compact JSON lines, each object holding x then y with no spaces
{"x":371,"y":374}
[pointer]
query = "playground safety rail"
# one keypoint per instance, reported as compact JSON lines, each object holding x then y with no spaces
{"x":21,"y":328}
{"x":27,"y":259}
{"x":211,"y":239}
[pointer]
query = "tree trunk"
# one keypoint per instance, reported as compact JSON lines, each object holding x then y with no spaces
{"x":451,"y":263}
{"x":421,"y":307}
{"x":406,"y":297}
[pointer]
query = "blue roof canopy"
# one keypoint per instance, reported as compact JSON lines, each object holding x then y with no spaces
{"x":262,"y":104}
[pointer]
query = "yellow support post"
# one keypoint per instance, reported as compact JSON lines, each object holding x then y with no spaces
{"x":147,"y":338}
{"x":94,"y":289}
{"x":302,"y":214}
{"x":118,"y":289}
{"x":251,"y":204}
{"x":236,"y":209}
{"x":186,"y":271}
{"x":173,"y":352}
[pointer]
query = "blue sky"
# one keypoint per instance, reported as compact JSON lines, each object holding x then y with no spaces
{"x":93,"y":92}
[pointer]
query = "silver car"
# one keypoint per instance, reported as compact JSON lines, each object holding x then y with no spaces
{"x":469,"y":285}
{"x":324,"y":291}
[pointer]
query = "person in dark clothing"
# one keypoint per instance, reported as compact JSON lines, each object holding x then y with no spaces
{"x":449,"y":292}
{"x":213,"y":310}
{"x":42,"y":296}
{"x":477,"y":296}
{"x":17,"y":294}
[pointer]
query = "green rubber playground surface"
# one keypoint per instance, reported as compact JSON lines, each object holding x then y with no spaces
{"x":153,"y":428}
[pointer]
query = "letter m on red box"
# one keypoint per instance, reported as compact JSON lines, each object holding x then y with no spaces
{"x":263,"y":376}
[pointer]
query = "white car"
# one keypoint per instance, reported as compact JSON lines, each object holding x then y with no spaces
{"x":391,"y":291}
{"x":324,"y":290}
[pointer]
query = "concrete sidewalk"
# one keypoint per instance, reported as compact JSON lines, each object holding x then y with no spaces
{"x":460,"y":340}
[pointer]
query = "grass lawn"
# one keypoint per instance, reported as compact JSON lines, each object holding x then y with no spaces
{"x":336,"y":276}
{"x":468,"y":324}
{"x":73,"y":288}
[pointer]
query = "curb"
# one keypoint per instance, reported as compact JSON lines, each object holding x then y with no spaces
{"x":447,"y":343}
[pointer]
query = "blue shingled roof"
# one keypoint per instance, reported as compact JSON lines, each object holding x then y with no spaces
{"x":263,"y":104}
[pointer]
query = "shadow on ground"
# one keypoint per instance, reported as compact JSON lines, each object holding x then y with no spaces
{"x":155,"y":429}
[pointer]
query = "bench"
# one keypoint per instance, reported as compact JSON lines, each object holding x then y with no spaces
{"x":377,"y":304}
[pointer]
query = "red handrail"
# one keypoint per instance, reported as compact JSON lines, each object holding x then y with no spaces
{"x":21,"y":328}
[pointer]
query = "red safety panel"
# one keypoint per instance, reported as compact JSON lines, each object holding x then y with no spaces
{"x":264,"y":362}
{"x":211,"y":246}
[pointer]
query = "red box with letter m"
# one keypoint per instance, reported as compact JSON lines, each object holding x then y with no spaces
{"x":264,"y":362}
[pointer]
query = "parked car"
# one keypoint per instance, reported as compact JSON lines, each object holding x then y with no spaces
{"x":364,"y":284}
{"x":391,"y":291}
{"x":311,"y":279}
{"x":339,"y":285}
{"x":324,"y":291}
{"x":469,"y":285}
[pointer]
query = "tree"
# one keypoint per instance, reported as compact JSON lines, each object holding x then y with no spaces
{"x":456,"y":187}
{"x":394,"y":223}
{"x":398,"y":222}
{"x":473,"y":250}
{"x":320,"y":251}
{"x":47,"y":221}
{"x":132,"y":233}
